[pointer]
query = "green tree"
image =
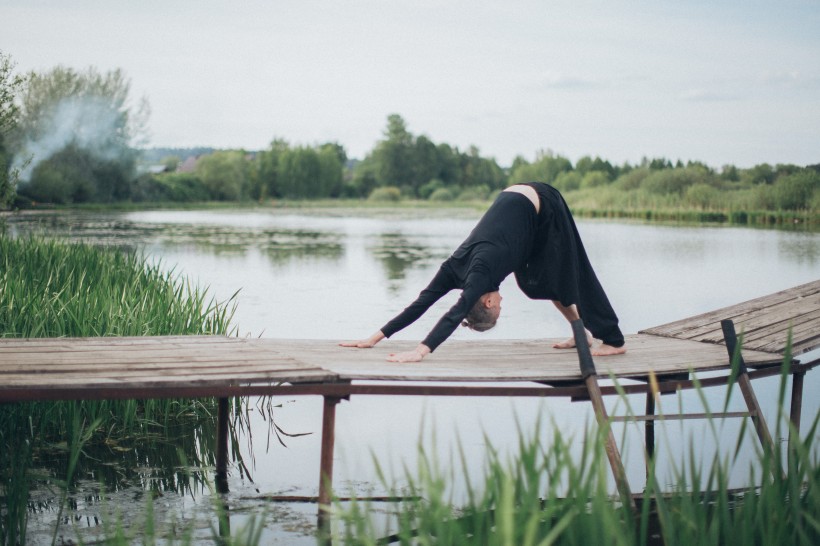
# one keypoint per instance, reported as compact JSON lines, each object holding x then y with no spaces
{"x":730,"y":173}
{"x":480,"y":171}
{"x":546,"y":168}
{"x":449,"y":164}
{"x":225,"y":174}
{"x":586,"y":165}
{"x":170,"y":162}
{"x":427,"y":164}
{"x":795,"y":191}
{"x":332,"y":158}
{"x":266,"y":179}
{"x":395,"y":155}
{"x":759,"y":174}
{"x":411,"y":163}
{"x":10,"y":86}
{"x":594,"y":179}
{"x":89,"y":114}
{"x":568,"y":181}
{"x":310,"y":173}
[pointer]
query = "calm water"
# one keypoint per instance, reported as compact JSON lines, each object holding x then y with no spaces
{"x":342,"y":274}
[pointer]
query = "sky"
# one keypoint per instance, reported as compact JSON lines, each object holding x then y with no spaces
{"x":719,"y":81}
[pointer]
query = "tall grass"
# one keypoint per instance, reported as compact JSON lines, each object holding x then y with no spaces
{"x":51,"y":289}
{"x":548,"y":494}
{"x":738,"y":207}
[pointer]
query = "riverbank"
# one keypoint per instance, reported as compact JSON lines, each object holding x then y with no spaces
{"x":800,"y":220}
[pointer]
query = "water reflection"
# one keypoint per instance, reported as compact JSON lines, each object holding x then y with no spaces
{"x":398,"y":254}
{"x":129,"y":232}
{"x":283,"y":246}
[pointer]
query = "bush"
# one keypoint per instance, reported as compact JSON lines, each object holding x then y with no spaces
{"x":176,"y":187}
{"x":567,"y":181}
{"x":594,"y":179}
{"x":385,"y":194}
{"x":426,"y":190}
{"x":676,"y":181}
{"x":795,"y":191}
{"x":474,"y":193}
{"x":633,"y":179}
{"x":765,"y":197}
{"x":701,"y":195}
{"x":442,"y":194}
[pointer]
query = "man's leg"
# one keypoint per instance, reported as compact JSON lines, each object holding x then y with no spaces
{"x":571,"y":313}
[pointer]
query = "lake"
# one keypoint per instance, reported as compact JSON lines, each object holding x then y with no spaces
{"x":342,"y":273}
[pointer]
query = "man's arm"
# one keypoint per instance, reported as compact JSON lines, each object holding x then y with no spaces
{"x":440,"y":285}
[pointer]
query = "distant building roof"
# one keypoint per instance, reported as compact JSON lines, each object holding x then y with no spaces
{"x":189,"y":165}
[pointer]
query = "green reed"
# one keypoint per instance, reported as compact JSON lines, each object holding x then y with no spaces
{"x":52,"y":289}
{"x":549,"y":494}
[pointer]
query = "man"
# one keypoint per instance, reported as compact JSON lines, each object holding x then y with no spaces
{"x":528,"y":231}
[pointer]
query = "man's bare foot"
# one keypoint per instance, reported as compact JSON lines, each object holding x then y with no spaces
{"x":570,"y":343}
{"x":607,"y":350}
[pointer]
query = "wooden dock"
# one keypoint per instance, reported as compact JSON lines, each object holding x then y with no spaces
{"x":222,"y":367}
{"x":766,"y":322}
{"x":159,"y":367}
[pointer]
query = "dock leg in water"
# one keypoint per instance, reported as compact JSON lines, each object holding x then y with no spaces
{"x":326,"y":467}
{"x":796,"y":407}
{"x":222,"y":445}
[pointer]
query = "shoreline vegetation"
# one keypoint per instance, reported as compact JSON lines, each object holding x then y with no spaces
{"x":53,"y":289}
{"x":799,"y":220}
{"x":547,"y":494}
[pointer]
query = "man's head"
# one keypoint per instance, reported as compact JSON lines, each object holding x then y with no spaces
{"x":484,"y":313}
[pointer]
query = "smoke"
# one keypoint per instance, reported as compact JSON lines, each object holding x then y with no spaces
{"x":87,"y":122}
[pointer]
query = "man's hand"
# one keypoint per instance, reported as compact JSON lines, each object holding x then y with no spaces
{"x":364,"y":343}
{"x":416,"y":355}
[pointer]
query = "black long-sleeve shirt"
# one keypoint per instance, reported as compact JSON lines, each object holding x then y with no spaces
{"x":500,"y":243}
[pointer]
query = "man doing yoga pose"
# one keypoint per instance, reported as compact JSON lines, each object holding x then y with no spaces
{"x":528,"y":231}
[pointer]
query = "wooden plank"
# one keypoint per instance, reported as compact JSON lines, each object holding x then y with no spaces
{"x":774,"y":320}
{"x":273,"y":361}
{"x":125,"y":343}
{"x":24,"y":382}
{"x":680,"y":327}
{"x":518,"y":360}
{"x":765,"y":321}
{"x":794,"y":293}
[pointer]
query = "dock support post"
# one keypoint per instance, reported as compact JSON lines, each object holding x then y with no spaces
{"x":649,"y":430}
{"x":222,"y":445}
{"x":796,"y":407}
{"x":591,"y":380}
{"x":745,"y":385}
{"x":326,"y":466}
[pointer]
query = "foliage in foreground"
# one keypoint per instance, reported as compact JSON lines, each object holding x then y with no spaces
{"x":548,"y":495}
{"x":51,"y":289}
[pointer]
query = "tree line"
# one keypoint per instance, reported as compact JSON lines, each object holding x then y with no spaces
{"x":69,"y":136}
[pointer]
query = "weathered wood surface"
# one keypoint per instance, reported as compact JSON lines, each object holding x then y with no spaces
{"x":764,"y":322}
{"x":146,"y":363}
{"x":155,"y":366}
{"x":515,"y":360}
